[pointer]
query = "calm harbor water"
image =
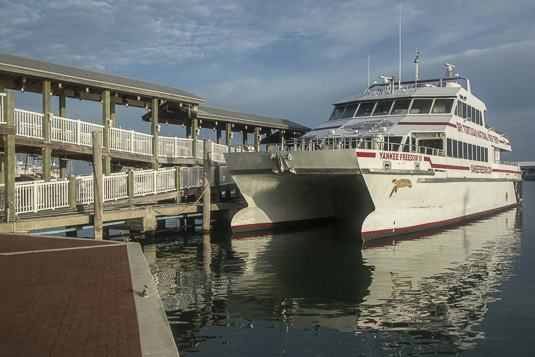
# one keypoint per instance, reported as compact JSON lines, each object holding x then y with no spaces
{"x":466,"y":290}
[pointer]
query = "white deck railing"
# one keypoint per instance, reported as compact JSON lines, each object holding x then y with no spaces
{"x":34,"y":196}
{"x":40,"y":195}
{"x":30,"y":124}
{"x":130,"y":141}
{"x":174,"y":147}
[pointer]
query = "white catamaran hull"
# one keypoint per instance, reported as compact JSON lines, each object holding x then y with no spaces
{"x":383,"y":194}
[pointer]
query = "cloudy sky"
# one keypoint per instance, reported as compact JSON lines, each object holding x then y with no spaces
{"x":290,"y":59}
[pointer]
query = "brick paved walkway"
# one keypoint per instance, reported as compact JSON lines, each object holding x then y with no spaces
{"x":66,"y":297}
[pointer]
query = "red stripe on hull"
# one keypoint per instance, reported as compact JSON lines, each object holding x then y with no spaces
{"x":366,"y":154}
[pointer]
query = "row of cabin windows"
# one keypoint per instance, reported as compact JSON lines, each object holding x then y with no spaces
{"x":464,"y":150}
{"x":466,"y":111}
{"x":406,"y":106}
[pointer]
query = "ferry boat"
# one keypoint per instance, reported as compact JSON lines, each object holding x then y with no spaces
{"x":399,"y":158}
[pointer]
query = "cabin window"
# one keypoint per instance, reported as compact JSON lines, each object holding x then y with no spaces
{"x":442,"y":106}
{"x":478,"y":153}
{"x":454,"y":153}
{"x":337,"y":113}
{"x":401,"y":106}
{"x":486,"y":159}
{"x":383,"y":108}
{"x":394,"y":142}
{"x":469,"y":151}
{"x":350,"y":111}
{"x":421,"y":106}
{"x":365,"y":109}
{"x":448,"y":143}
{"x":465,"y":150}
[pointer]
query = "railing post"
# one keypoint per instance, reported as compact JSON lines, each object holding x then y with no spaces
{"x":35,"y":197}
{"x":78,"y":133}
{"x":72,"y":192}
{"x":155,"y":181}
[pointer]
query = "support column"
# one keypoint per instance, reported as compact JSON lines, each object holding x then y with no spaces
{"x":63,"y":114}
{"x":10,"y":158}
{"x":106,"y":122}
{"x":257,"y":138}
{"x":98,"y":183}
{"x":207,"y":170}
{"x":194,"y":137}
{"x":219,"y":136}
{"x":228,"y":134}
{"x":47,"y":126}
{"x":177,"y":184}
{"x":188,"y":131}
{"x":245,"y":141}
{"x":154,"y":132}
{"x":63,"y":168}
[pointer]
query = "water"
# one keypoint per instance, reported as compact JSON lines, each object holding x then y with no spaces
{"x":466,"y":290}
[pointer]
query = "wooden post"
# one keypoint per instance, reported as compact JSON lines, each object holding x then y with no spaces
{"x":207,"y":169}
{"x":177,"y":183}
{"x":219,"y":136}
{"x":47,"y":131}
{"x":98,"y":183}
{"x":228,"y":134}
{"x":63,"y":168}
{"x":106,"y":122}
{"x":10,"y":158}
{"x":257,"y":138}
{"x":194,"y":137}
{"x":130,"y":184}
{"x":154,"y":131}
{"x":72,"y":192}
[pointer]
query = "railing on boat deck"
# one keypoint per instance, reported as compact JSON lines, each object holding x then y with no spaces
{"x":70,"y":131}
{"x":34,"y":196}
{"x":340,"y":143}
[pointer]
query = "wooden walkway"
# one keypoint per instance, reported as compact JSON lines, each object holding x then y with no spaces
{"x":133,"y":215}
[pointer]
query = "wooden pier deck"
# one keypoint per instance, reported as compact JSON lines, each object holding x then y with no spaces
{"x":123,"y":215}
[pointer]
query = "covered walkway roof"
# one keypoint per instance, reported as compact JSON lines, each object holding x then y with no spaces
{"x":27,"y":74}
{"x":177,"y":106}
{"x":217,"y":118}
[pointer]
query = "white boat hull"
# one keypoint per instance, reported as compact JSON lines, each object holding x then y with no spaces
{"x":285,"y":188}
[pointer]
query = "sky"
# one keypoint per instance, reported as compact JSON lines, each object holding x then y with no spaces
{"x":286,"y":59}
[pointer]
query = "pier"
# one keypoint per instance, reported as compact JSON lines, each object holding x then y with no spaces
{"x":165,"y":176}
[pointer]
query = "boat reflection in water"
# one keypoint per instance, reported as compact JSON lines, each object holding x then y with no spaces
{"x":321,"y":292}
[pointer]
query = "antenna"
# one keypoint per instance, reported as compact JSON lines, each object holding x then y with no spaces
{"x":416,"y":61}
{"x":399,"y":76}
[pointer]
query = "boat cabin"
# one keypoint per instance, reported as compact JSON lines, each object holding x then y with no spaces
{"x":434,"y":117}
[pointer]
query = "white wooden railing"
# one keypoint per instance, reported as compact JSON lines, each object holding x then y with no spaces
{"x":30,"y":124}
{"x":34,"y":196}
{"x":39,"y":195}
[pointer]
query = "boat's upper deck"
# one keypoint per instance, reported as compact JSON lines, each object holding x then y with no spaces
{"x":441,"y":107}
